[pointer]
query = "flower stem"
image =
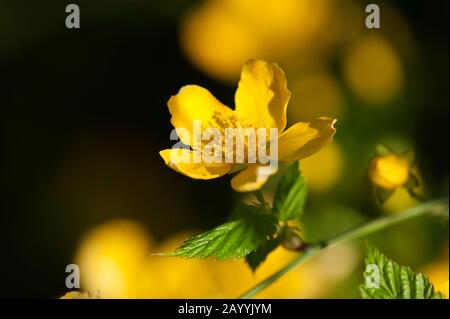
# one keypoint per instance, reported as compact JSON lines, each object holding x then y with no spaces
{"x":439,"y":206}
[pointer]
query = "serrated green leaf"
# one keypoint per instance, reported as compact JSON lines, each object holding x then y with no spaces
{"x":249,"y":227}
{"x":291,"y":194}
{"x":254,"y":259}
{"x":385,"y":279}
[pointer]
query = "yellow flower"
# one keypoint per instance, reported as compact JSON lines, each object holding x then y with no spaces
{"x":283,"y":30}
{"x":437,"y":271}
{"x":261,"y":102}
{"x":111,"y":257}
{"x":116,"y":259}
{"x":79,"y":295}
{"x":389,"y":171}
{"x":402,"y":199}
{"x":373,"y":70}
{"x":208,"y":278}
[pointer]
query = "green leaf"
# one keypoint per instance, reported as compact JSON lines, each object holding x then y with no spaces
{"x":385,"y":279}
{"x":254,"y":259}
{"x":291,"y":194}
{"x":249,"y":227}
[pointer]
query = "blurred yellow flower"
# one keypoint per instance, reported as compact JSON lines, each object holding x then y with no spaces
{"x":319,"y":91}
{"x":437,"y":272}
{"x":208,"y":278}
{"x":79,"y":295}
{"x":169,"y":277}
{"x":389,"y":171}
{"x":215,"y":42}
{"x":443,"y":287}
{"x":313,"y":279}
{"x":323,"y":169}
{"x":220,"y":35}
{"x":401,"y":199}
{"x":261,"y":102}
{"x":110,"y":257}
{"x":373,"y":70}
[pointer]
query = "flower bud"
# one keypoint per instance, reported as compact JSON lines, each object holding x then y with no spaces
{"x":389,"y":171}
{"x":292,"y":240}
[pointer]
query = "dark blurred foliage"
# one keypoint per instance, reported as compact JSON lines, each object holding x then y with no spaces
{"x":84,"y":115}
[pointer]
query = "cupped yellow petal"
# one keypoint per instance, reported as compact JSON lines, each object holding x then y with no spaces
{"x":194,"y":103}
{"x":189,"y":163}
{"x":262,"y":95}
{"x":252,"y":178}
{"x":304,"y":139}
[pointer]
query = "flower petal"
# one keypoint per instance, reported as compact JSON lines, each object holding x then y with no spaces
{"x":262,"y":95}
{"x":389,"y":171}
{"x":196,"y":103}
{"x":252,"y":178}
{"x":304,"y":139}
{"x":184,"y":162}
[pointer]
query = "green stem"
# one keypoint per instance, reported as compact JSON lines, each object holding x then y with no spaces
{"x":436,"y":206}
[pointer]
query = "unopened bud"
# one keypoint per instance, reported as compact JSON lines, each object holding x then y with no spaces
{"x":292,"y":240}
